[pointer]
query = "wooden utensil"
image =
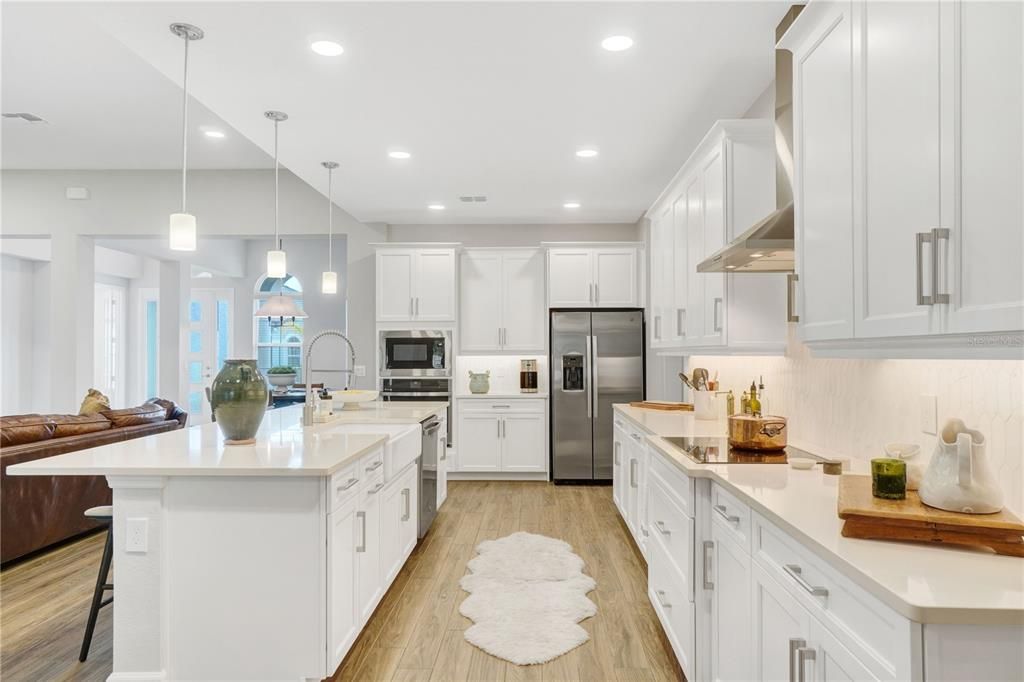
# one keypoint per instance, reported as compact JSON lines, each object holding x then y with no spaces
{"x":871,"y":518}
{"x":655,"y":405}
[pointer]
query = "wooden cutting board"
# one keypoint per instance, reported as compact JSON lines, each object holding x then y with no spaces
{"x":656,"y":405}
{"x":868,"y":517}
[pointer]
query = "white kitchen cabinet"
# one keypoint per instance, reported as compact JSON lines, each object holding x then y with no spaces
{"x":415,"y":284}
{"x":780,"y":626}
{"x":343,"y":619}
{"x":620,"y":444}
{"x":398,"y":525}
{"x":725,"y":187}
{"x":908,"y":137}
{"x":502,"y":301}
{"x":593,"y":276}
{"x":727,"y":575}
{"x":369,"y":575}
{"x":502,"y":436}
{"x":443,"y":463}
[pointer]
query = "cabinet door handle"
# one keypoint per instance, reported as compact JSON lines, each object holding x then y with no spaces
{"x":721,"y":510}
{"x":503,"y":428}
{"x":803,"y":654}
{"x":618,"y":452}
{"x":348,"y":484}
{"x":376,"y":465}
{"x":597,"y":294}
{"x":660,"y":594}
{"x":922,"y":238}
{"x":797,"y":574}
{"x":590,"y":293}
{"x":795,"y":644}
{"x":660,"y":525}
{"x":709,"y":545}
{"x":361,"y":547}
{"x":791,"y":280}
{"x":444,"y":448}
{"x":680,"y":312}
{"x":412,"y":310}
{"x":937,"y":234}
{"x":408,"y":510}
{"x":498,"y":406}
{"x":636,"y":437}
{"x":717,"y":307}
{"x":632,"y":473}
{"x":657,"y":327}
{"x":417,"y":299}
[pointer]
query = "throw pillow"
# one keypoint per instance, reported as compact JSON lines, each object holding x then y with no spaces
{"x":94,"y":402}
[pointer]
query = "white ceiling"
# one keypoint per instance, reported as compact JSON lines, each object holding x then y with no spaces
{"x":490,"y":98}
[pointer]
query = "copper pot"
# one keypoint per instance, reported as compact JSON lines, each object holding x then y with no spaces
{"x":757,"y":433}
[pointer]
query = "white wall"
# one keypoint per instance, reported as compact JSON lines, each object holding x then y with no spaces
{"x":514,"y":235}
{"x":18,"y":301}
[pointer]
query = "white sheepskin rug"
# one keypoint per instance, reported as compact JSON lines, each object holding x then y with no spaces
{"x":527,"y":594}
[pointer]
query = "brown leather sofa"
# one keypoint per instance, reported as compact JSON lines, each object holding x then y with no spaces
{"x":39,"y":511}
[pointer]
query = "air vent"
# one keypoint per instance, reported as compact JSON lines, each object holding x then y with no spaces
{"x":25,"y":116}
{"x":473,"y":199}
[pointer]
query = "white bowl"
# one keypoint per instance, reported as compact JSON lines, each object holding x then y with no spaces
{"x":352,"y":398}
{"x":802,"y":462}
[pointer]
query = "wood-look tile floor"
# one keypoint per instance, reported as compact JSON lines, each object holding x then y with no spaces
{"x":416,"y":632}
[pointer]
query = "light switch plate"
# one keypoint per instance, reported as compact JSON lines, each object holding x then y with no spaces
{"x":929,"y":414}
{"x":136,"y":535}
{"x":360,"y":370}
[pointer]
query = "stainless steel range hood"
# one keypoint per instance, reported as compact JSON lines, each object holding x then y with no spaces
{"x":767,"y":246}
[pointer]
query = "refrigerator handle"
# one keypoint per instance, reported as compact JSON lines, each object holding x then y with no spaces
{"x":593,"y":372}
{"x":588,"y":377}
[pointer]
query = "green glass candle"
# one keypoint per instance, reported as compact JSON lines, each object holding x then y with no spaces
{"x":889,"y":478}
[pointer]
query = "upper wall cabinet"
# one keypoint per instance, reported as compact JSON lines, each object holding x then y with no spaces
{"x":594,"y":276}
{"x":415,"y":284}
{"x":726,"y":186}
{"x":502,"y":300}
{"x":909,"y":158}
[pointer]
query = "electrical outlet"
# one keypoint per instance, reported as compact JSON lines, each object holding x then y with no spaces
{"x":929,"y":414}
{"x":360,"y":370}
{"x":136,"y":535}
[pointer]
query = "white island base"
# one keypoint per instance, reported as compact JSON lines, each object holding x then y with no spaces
{"x":254,"y":562}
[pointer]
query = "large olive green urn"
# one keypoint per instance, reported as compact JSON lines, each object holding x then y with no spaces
{"x":238,"y":399}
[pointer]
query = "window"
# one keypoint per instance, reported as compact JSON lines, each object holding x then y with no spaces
{"x":278,"y":342}
{"x":108,"y":344}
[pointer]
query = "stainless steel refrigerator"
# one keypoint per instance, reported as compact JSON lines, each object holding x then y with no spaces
{"x":597,"y":360}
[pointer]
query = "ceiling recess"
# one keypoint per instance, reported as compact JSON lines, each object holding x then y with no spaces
{"x":467,"y":199}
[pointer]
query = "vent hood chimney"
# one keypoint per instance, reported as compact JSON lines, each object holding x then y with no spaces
{"x":767,"y":246}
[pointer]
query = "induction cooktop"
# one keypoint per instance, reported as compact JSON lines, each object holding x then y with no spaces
{"x":706,"y":450}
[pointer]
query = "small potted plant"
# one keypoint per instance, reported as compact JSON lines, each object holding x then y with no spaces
{"x":281,"y":377}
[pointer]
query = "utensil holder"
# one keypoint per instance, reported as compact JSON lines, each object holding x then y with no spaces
{"x":704,"y":405}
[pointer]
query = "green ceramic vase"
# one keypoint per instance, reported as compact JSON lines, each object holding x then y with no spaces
{"x":238,"y":399}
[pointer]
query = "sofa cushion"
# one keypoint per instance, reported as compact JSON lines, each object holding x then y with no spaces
{"x":133,"y":416}
{"x":25,"y":428}
{"x":78,"y":424}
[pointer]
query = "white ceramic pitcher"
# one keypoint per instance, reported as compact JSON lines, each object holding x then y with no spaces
{"x":959,"y":477}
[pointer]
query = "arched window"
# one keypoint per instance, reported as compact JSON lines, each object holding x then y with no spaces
{"x":278,"y":342}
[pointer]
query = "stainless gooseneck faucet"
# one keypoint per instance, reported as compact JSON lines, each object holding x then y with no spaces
{"x":307,"y":408}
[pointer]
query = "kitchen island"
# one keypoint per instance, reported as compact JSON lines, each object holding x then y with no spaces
{"x":748,"y":567}
{"x":257,"y":562}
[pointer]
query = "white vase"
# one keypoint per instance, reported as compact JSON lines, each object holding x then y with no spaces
{"x":959,"y":477}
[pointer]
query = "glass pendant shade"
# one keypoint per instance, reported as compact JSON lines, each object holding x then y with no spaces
{"x":276,"y":264}
{"x":280,"y":306}
{"x":183,"y":232}
{"x":329,"y":283}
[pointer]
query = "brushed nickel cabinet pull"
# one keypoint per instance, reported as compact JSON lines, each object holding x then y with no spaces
{"x":803,"y":654}
{"x":937,"y":234}
{"x":405,"y":493}
{"x":348,"y":484}
{"x":791,"y":280}
{"x":361,"y":547}
{"x":795,"y":644}
{"x":797,"y":574}
{"x":708,"y":583}
{"x":721,"y":510}
{"x":922,"y":238}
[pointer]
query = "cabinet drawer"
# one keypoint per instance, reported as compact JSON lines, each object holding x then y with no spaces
{"x":667,"y":592}
{"x":732,"y":515}
{"x":371,"y":465}
{"x":344,"y":485}
{"x":508,"y":405}
{"x":673,"y":529}
{"x":878,"y":636}
{"x":678,"y":484}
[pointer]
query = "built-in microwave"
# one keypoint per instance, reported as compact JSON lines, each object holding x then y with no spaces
{"x":416,"y":353}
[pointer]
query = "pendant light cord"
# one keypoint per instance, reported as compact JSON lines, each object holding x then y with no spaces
{"x":277,"y":234}
{"x":184,"y":132}
{"x":330,"y":219}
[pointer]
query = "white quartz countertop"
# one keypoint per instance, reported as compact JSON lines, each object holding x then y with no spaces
{"x":284,"y":447}
{"x":923,"y":583}
{"x":501,"y":396}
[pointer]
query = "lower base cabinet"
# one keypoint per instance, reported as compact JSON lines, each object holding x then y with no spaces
{"x":727,"y":576}
{"x":342,"y":536}
{"x":504,"y":436}
{"x":398,"y":523}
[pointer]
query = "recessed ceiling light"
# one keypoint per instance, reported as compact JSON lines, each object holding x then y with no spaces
{"x":617,"y":43}
{"x":436,"y":207}
{"x":214,"y":134}
{"x":571,"y":204}
{"x":399,"y":155}
{"x":327,"y":48}
{"x":730,"y":267}
{"x":586,"y":153}
{"x":756,"y":255}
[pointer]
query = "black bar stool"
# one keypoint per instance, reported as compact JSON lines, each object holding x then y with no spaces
{"x":106,"y":515}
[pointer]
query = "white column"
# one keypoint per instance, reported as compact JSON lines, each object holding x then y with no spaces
{"x":70,"y":314}
{"x":172,"y":318}
{"x":140,"y":604}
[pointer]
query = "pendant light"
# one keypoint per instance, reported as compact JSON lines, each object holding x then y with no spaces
{"x":277,"y":265}
{"x":329,"y":279}
{"x":280,"y":306}
{"x":183,"y":225}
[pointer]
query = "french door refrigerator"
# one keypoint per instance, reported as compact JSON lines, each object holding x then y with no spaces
{"x":597,"y":360}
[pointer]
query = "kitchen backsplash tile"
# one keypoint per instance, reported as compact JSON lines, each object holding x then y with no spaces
{"x":852,"y":408}
{"x":504,"y":372}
